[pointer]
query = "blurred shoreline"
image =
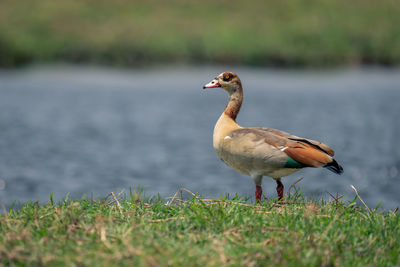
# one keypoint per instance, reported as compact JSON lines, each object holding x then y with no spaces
{"x":143,"y":33}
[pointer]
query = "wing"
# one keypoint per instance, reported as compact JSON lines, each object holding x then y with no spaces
{"x":301,"y":152}
{"x":317,"y":144}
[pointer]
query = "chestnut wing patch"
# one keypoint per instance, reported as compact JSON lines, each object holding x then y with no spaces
{"x":307,"y":154}
{"x":316,"y":144}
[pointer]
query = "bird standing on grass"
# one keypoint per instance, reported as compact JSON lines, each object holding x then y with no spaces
{"x":259,"y":152}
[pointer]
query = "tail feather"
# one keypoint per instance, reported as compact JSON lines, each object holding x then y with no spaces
{"x":334,"y":167}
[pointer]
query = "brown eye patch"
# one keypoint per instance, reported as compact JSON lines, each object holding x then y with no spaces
{"x":226,"y":77}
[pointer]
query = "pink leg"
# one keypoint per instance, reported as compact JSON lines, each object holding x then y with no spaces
{"x":258,"y":193}
{"x":279,"y":189}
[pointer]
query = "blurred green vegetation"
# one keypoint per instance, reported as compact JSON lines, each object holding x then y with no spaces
{"x":278,"y":33}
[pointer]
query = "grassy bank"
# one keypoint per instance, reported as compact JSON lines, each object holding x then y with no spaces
{"x":133,"y":231}
{"x":279,"y":33}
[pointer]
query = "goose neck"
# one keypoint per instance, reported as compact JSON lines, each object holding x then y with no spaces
{"x":235,"y":102}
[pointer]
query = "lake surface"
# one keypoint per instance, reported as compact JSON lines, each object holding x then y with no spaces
{"x":87,"y":130}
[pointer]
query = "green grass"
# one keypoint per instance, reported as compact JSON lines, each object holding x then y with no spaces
{"x":279,"y":33}
{"x":136,"y":231}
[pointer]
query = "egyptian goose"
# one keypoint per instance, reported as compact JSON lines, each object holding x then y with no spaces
{"x":259,"y":152}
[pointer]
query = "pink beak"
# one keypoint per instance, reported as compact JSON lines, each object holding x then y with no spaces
{"x":212,"y":84}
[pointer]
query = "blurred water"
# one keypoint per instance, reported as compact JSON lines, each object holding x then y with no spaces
{"x":91,"y":131}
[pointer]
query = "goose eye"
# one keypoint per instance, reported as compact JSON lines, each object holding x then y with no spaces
{"x":226,"y":77}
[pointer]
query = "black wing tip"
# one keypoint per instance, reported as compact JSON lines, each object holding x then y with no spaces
{"x":334,"y":167}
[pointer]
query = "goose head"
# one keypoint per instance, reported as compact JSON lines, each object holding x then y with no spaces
{"x":228,"y":81}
